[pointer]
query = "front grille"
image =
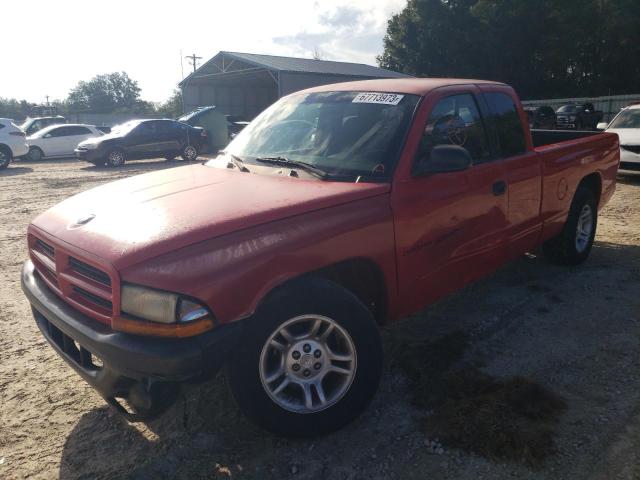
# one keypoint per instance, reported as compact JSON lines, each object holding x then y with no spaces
{"x":89,"y":271}
{"x":631,"y":148}
{"x":86,"y":287}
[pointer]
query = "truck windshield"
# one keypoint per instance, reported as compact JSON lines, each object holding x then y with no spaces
{"x":627,"y":119}
{"x":345,"y":134}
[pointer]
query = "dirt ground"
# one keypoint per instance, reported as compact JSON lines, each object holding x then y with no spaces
{"x":572,"y":331}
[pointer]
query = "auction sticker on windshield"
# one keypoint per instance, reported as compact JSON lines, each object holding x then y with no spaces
{"x":383,"y":98}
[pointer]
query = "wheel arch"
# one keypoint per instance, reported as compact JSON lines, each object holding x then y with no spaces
{"x":592,"y":182}
{"x":361,"y":276}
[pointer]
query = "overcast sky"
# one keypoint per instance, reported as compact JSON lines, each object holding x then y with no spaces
{"x":51,"y":45}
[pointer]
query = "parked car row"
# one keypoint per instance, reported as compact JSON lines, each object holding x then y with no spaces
{"x":136,"y":139}
{"x":575,"y":116}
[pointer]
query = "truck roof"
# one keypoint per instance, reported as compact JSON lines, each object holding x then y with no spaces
{"x":415,"y":86}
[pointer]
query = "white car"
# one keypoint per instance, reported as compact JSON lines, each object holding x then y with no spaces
{"x":627,"y":125}
{"x":59,"y":140}
{"x":12,"y":142}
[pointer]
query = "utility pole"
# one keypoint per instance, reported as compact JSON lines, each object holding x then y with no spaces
{"x":47,"y":97}
{"x":193,"y":59}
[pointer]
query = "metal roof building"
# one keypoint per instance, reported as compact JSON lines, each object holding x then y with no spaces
{"x":244,"y":84}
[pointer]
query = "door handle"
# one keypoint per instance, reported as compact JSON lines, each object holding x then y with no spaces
{"x":499,"y":188}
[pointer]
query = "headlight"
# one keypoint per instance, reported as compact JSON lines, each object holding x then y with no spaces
{"x":572,"y":118}
{"x":89,"y":146}
{"x":161,"y":307}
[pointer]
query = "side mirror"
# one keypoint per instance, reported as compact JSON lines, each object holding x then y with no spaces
{"x":443,"y":159}
{"x":602,"y":126}
{"x":48,"y":135}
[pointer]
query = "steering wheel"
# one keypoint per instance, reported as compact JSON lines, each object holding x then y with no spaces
{"x":450,"y":129}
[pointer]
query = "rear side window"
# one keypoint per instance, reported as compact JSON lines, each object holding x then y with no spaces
{"x":456,"y":120}
{"x":63,"y":132}
{"x":78,"y":131}
{"x":508,"y":127}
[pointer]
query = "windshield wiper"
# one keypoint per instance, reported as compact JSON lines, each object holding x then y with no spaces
{"x":237,"y":161}
{"x":284,"y":161}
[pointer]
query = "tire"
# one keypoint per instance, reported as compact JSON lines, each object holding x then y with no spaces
{"x":573,"y":245}
{"x":6,"y":155}
{"x":115,"y":158}
{"x":257,"y":368}
{"x":35,"y":154}
{"x":189,"y":153}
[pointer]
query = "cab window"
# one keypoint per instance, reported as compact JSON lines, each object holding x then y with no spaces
{"x":507,"y":125}
{"x":456,"y":120}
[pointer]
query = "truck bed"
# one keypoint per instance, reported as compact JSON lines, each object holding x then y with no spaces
{"x":543,"y":138}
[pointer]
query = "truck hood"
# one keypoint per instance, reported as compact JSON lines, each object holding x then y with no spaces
{"x":627,"y":136}
{"x":140,"y":217}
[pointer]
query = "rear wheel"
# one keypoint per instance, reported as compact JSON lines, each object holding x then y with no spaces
{"x":312,"y":362}
{"x":5,"y":156}
{"x":115,"y":158}
{"x":189,"y":153}
{"x":573,"y":245}
{"x":35,"y":154}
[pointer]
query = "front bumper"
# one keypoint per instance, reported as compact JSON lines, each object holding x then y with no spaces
{"x":143,"y":371}
{"x":629,"y":161}
{"x":93,"y":155}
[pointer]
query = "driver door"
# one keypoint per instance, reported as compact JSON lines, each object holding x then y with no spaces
{"x":450,"y":226}
{"x":143,"y":141}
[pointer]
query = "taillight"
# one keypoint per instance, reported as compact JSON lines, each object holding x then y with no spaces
{"x":18,"y":134}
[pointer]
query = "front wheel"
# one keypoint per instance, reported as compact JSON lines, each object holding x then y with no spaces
{"x":311,"y":363}
{"x":189,"y":153}
{"x":115,"y":158}
{"x":573,"y":245}
{"x":35,"y":154}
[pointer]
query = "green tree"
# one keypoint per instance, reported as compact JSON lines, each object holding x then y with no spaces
{"x":13,"y":108}
{"x":107,"y":93}
{"x":543,"y":48}
{"x":172,"y":108}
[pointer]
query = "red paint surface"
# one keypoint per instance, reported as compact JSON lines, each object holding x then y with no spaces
{"x":228,"y":237}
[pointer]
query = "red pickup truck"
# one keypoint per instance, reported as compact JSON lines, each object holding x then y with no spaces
{"x":337,"y":209}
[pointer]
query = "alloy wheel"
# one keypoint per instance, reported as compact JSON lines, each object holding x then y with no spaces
{"x":308,"y":364}
{"x":584,"y":228}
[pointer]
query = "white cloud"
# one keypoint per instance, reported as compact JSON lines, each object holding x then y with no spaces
{"x":73,"y":40}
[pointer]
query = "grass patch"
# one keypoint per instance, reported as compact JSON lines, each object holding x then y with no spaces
{"x":501,"y":419}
